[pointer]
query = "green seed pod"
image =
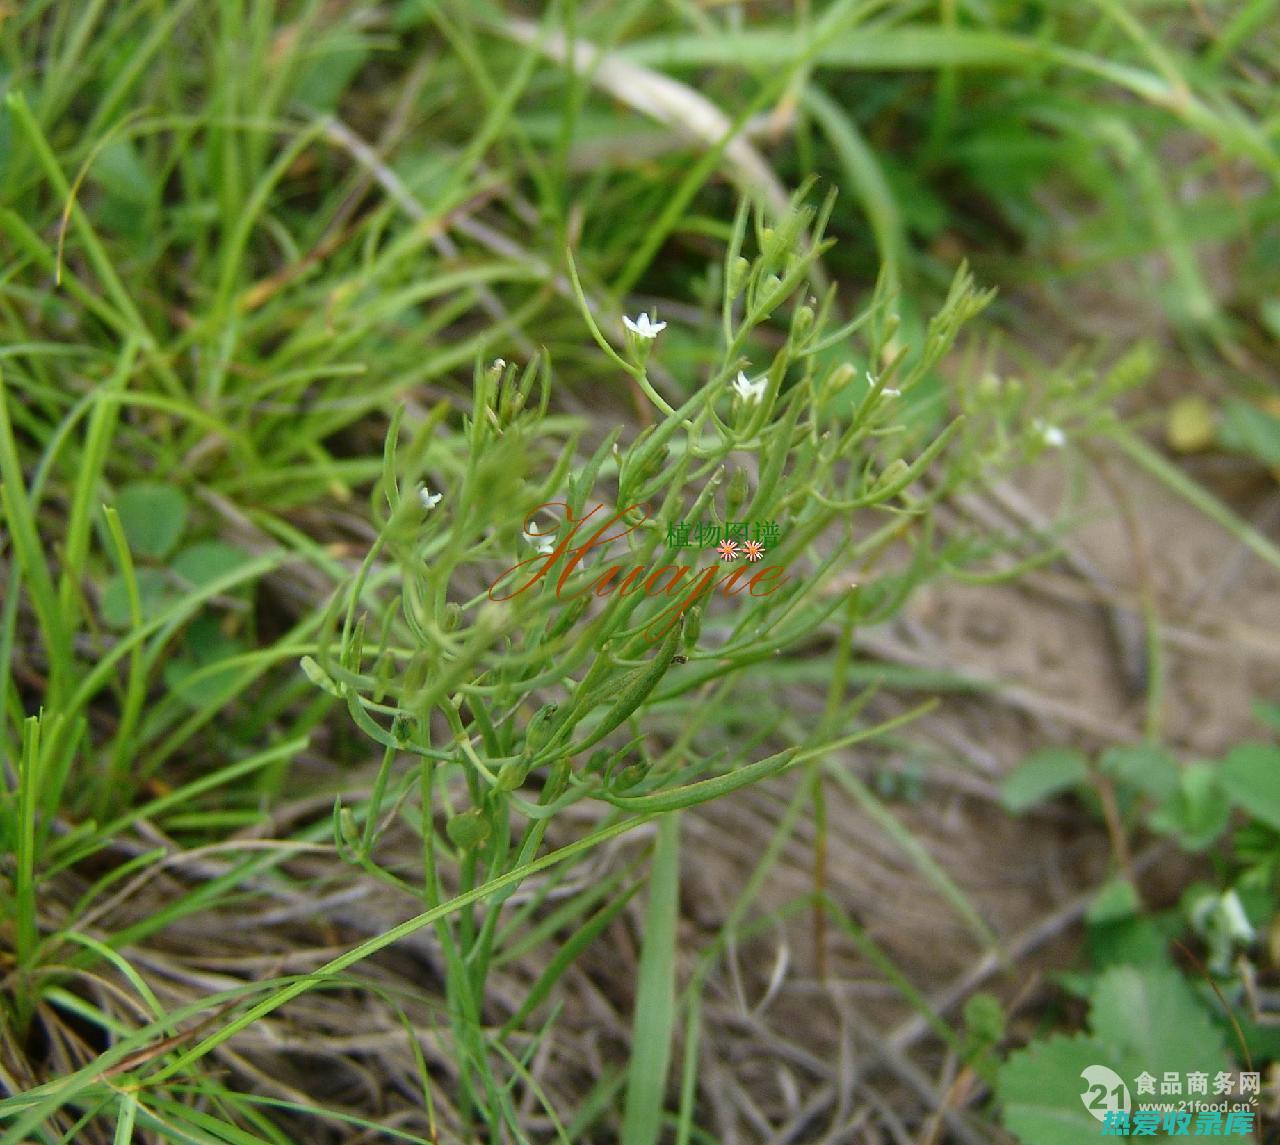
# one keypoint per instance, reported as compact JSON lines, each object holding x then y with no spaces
{"x":418,"y":671}
{"x":840,"y":377}
{"x":402,"y":729}
{"x":348,"y":832}
{"x":468,"y":830}
{"x":773,"y":284}
{"x":638,"y":685}
{"x":894,"y":472}
{"x":319,"y":677}
{"x":598,"y":761}
{"x":513,"y":774}
{"x":802,"y":323}
{"x":452,"y":615}
{"x":738,"y":276}
{"x":538,"y":732}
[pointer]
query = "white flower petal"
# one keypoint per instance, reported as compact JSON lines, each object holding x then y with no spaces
{"x":644,"y":326}
{"x":429,"y":500}
{"x":544,"y":544}
{"x":748,"y":390}
{"x":1232,"y":913}
{"x":1051,"y":435}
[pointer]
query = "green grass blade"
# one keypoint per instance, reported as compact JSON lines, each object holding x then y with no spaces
{"x":655,"y":1015}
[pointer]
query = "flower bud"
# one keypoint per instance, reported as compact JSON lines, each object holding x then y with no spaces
{"x":802,"y":323}
{"x":840,"y":377}
{"x":894,"y":472}
{"x":468,"y":830}
{"x":513,"y":774}
{"x":538,"y":733}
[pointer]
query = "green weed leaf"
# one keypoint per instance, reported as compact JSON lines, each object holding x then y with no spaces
{"x":1250,"y":775}
{"x":1197,"y":812}
{"x":154,"y":595}
{"x":1041,"y":776}
{"x":206,"y":561}
{"x":1249,"y":430}
{"x":154,"y":516}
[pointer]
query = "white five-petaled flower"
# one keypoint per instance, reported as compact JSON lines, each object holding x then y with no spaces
{"x":747,"y":389}
{"x":429,"y":500}
{"x":1050,"y":434}
{"x":644,"y":326}
{"x":544,"y":544}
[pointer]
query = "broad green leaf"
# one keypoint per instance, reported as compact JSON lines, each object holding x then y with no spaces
{"x":1116,"y":900}
{"x":1197,"y":812}
{"x":1144,"y":767}
{"x":1118,"y":930}
{"x":1250,"y":430}
{"x":1043,"y":1090}
{"x":153,"y":515}
{"x":329,"y":69}
{"x":1153,"y":1015}
{"x":1132,"y":940}
{"x":205,"y":561}
{"x":119,"y":170}
{"x":1250,"y":775}
{"x":1041,"y":776}
{"x":155,"y":593}
{"x":1142,"y":1019}
{"x":206,"y":644}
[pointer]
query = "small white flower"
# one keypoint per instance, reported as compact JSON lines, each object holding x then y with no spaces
{"x":1051,"y":435}
{"x":499,"y":364}
{"x":887,"y":392}
{"x":541,"y":543}
{"x":429,"y":500}
{"x":1237,"y":923}
{"x":644,"y":327}
{"x":747,"y":389}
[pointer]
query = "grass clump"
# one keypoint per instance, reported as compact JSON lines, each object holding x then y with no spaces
{"x":496,"y":708}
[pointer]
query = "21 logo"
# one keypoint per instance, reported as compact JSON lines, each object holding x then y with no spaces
{"x":1105,"y":1092}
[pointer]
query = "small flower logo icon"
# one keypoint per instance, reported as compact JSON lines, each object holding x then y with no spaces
{"x":728,"y":550}
{"x":752,"y":550}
